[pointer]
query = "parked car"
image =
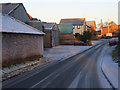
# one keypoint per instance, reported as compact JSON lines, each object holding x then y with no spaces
{"x":108,"y":37}
{"x":102,"y":37}
{"x":112,"y":42}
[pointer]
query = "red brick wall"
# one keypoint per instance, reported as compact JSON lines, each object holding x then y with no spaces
{"x":111,"y":29}
{"x":66,"y":36}
{"x":93,"y":29}
{"x":67,"y":39}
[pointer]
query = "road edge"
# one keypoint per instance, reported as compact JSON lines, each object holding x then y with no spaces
{"x":106,"y":77}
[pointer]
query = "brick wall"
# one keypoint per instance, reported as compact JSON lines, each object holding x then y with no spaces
{"x":111,"y":29}
{"x":67,"y":39}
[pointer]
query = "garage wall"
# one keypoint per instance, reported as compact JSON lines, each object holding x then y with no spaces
{"x":20,"y":47}
{"x":47,"y":39}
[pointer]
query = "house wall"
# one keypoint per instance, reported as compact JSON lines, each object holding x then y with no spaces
{"x":92,"y":24}
{"x":47,"y":39}
{"x":20,"y":14}
{"x":76,"y":30}
{"x":21,"y":47}
{"x":111,"y":29}
{"x":93,"y":32}
{"x":55,"y":38}
{"x":88,"y":28}
{"x":51,"y":38}
{"x":37,"y":25}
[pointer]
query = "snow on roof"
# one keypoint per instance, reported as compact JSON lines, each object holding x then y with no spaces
{"x":11,"y":25}
{"x":48,"y":26}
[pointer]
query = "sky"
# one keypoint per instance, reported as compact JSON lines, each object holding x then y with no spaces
{"x":55,"y":10}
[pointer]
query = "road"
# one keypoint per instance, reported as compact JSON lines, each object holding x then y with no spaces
{"x":80,"y":71}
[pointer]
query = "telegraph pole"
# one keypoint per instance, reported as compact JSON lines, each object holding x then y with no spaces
{"x":101,"y":26}
{"x":108,"y":26}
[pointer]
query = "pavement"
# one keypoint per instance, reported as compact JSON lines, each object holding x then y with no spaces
{"x":109,"y":67}
{"x":79,"y":71}
{"x":63,"y":52}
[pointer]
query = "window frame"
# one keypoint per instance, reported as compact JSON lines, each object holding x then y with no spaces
{"x":78,"y":26}
{"x":73,"y":26}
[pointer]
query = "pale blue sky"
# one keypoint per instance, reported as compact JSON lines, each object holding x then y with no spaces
{"x":54,"y":10}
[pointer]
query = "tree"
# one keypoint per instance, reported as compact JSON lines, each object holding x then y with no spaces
{"x":85,"y":37}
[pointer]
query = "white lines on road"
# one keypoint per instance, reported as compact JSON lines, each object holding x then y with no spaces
{"x":42,"y":80}
{"x":75,"y":82}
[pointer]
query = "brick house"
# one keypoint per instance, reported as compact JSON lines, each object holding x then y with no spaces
{"x":66,"y":34}
{"x":112,"y":28}
{"x":92,"y":24}
{"x":79,"y":24}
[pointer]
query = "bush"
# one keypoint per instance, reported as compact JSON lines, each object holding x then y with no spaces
{"x":85,"y":37}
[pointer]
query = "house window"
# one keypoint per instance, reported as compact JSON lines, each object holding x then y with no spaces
{"x":73,"y":26}
{"x":78,"y":27}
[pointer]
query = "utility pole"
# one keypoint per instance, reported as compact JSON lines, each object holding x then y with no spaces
{"x":101,"y":26}
{"x":108,"y":26}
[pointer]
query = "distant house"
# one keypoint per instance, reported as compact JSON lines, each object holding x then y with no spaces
{"x":92,"y":24}
{"x":20,"y":41}
{"x":66,"y":34}
{"x":51,"y":37}
{"x":16,"y":10}
{"x":35,"y":23}
{"x":79,"y":24}
{"x":112,"y":28}
{"x":88,"y":28}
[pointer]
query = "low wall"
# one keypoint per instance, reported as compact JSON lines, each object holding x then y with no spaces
{"x":67,"y":39}
{"x":20,"y":47}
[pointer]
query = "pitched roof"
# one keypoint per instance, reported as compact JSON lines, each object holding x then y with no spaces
{"x":48,"y":26}
{"x":110,"y":24}
{"x":12,"y":25}
{"x":91,"y":23}
{"x":30,"y":16}
{"x":6,"y":8}
{"x":88,"y":26}
{"x":74,"y":21}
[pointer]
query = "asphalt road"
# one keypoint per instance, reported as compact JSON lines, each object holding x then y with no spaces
{"x":80,"y":71}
